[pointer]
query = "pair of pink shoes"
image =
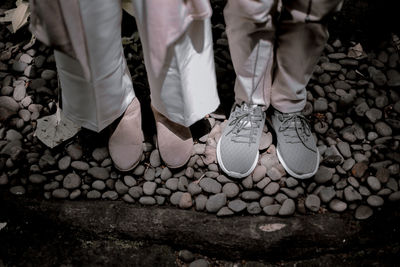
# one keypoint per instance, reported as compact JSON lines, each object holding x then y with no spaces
{"x":175,"y":141}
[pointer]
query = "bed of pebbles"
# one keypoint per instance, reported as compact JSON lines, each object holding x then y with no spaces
{"x":353,"y":103}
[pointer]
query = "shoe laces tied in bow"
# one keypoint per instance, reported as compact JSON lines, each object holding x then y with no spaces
{"x":245,"y":123}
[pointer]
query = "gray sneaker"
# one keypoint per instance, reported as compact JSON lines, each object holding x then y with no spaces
{"x":296,"y":147}
{"x":237,"y":149}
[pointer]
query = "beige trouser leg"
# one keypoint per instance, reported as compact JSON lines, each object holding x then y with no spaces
{"x":96,"y":102}
{"x":299,"y":39}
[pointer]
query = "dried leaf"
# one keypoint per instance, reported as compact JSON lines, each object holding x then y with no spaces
{"x":356,"y":52}
{"x":2,"y":225}
{"x":127,"y":40}
{"x":54,"y":129}
{"x":272,"y":227}
{"x":20,"y":17}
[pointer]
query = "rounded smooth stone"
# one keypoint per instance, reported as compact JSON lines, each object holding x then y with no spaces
{"x":395,"y":196}
{"x":146,"y":200}
{"x":337,"y":205}
{"x":74,"y":151}
{"x":93,"y":194}
{"x":72,"y":181}
{"x":163,"y":192}
{"x":259,"y":173}
{"x":129,"y":180}
{"x":291,"y":182}
{"x":351,"y":194}
{"x":166,"y":174}
{"x":172,"y":184}
{"x":383,"y":129}
{"x":37,"y":178}
{"x":155,"y":160}
{"x":111,"y":195}
{"x":139,"y":170}
{"x":175,"y":198}
{"x":230,"y":189}
{"x":313,"y":203}
{"x":288,"y":207}
{"x":18,"y":190}
{"x":186,"y":255}
{"x":98,"y":185}
{"x":327,"y":194}
{"x":375,"y":201}
{"x":200,"y":202}
{"x":99,"y":154}
{"x":363,"y":212}
{"x":210,"y":185}
{"x":60,"y":193}
{"x":254,"y":208}
{"x":266,"y":200}
{"x":186,"y":201}
{"x":64,"y":163}
{"x":149,"y":188}
{"x":80,"y":165}
{"x":182,"y":184}
{"x":75,"y":194}
{"x":194,"y":189}
{"x":237,"y":205}
{"x":150,"y":174}
{"x":135,"y":191}
{"x":251,"y":195}
{"x":199,"y":263}
{"x":271,"y":189}
{"x":359,"y":169}
{"x":344,"y":149}
{"x":290,"y":192}
{"x":374,"y":183}
{"x":323,"y":175}
{"x":215,"y":202}
{"x":121,"y":188}
{"x":99,"y":173}
{"x":272,"y":210}
{"x":128,"y":198}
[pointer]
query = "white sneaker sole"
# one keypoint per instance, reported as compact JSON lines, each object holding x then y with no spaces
{"x":231,"y":173}
{"x":293,"y":174}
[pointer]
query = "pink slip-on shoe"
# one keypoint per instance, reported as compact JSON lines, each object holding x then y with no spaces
{"x":175,"y":141}
{"x":126,"y":142}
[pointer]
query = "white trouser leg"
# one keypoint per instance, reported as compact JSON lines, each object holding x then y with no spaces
{"x":96,"y":102}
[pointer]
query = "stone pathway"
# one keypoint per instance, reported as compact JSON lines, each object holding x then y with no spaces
{"x":353,"y":103}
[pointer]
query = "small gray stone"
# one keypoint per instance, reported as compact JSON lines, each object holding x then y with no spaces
{"x":64,"y":163}
{"x":146,"y":200}
{"x":395,"y":196}
{"x":80,"y":165}
{"x":48,"y":74}
{"x":93,"y":194}
{"x":128,"y":198}
{"x":166,"y":174}
{"x":172,"y":184}
{"x":329,"y":66}
{"x":313,"y":203}
{"x":99,"y":173}
{"x":344,"y":149}
{"x":99,"y":154}
{"x":186,"y":201}
{"x":163,"y":192}
{"x":224,"y":212}
{"x":247,"y":182}
{"x":72,"y":181}
{"x":259,"y":173}
{"x":19,"y":92}
{"x":75,"y":194}
{"x":216,"y":202}
{"x":266,"y":200}
{"x":374,"y":183}
{"x":155,"y":160}
{"x":98,"y":185}
{"x":373,"y":115}
{"x":210,"y":185}
{"x":176,"y":198}
{"x":280,"y":197}
{"x":121,"y":188}
{"x":74,"y":151}
{"x":351,"y":194}
{"x":194,"y":189}
{"x":186,"y":255}
{"x":19,"y":66}
{"x":288,"y":207}
{"x":139,"y":170}
{"x":150,"y":174}
{"x":375,"y":201}
{"x":383,"y":129}
{"x":200,"y":202}
{"x":291,"y":182}
{"x":37,"y":178}
{"x":271,"y":189}
{"x":337,"y":205}
{"x":17,"y":190}
{"x":327,"y":194}
{"x":230,"y":189}
{"x":237,"y":205}
{"x":323,"y":175}
{"x":272,"y":210}
{"x":250,"y":195}
{"x":135,"y":191}
{"x":129,"y":180}
{"x":364,"y":191}
{"x":254,"y":208}
{"x":60,"y":193}
{"x":199,"y":263}
{"x":363,"y":212}
{"x":182,"y":184}
{"x":149,"y":188}
{"x":111,"y":195}
{"x":348,"y":164}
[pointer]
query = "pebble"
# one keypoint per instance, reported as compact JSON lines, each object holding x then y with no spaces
{"x":199,"y":263}
{"x":163,"y":192}
{"x":323,"y":175}
{"x":271,"y":189}
{"x":37,"y":178}
{"x":135,"y":192}
{"x":72,"y":181}
{"x":363,"y":212}
{"x":129,"y":180}
{"x":166,"y":174}
{"x":98,"y":185}
{"x":186,"y":201}
{"x":75,"y":194}
{"x":8,"y":107}
{"x":149,"y":174}
{"x":231,"y":190}
{"x":146,"y":200}
{"x":121,"y":188}
{"x":183,"y":184}
{"x":172,"y":184}
{"x":237,"y":205}
{"x":128,"y":198}
{"x":186,"y":255}
{"x":111,"y":195}
{"x":99,"y":154}
{"x":176,"y":198}
{"x":74,"y":151}
{"x":19,"y":92}
{"x":383,"y":129}
{"x":99,"y":172}
{"x":18,"y":190}
{"x":224,"y":211}
{"x":359,"y":169}
{"x":351,"y":194}
{"x":216,"y":202}
{"x":374,"y":183}
{"x":155,"y":160}
{"x":60,"y":193}
{"x":375,"y":201}
{"x":139,"y":170}
{"x":266,"y":200}
{"x":64,"y":163}
{"x":149,"y":188}
{"x":251,"y":195}
{"x":337,"y":205}
{"x":259,"y":173}
{"x":93,"y":194}
{"x":200,"y":202}
{"x":210,"y":185}
{"x":313,"y":202}
{"x":254,"y":208}
{"x":272,"y":210}
{"x":288,"y":207}
{"x":194,"y":189}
